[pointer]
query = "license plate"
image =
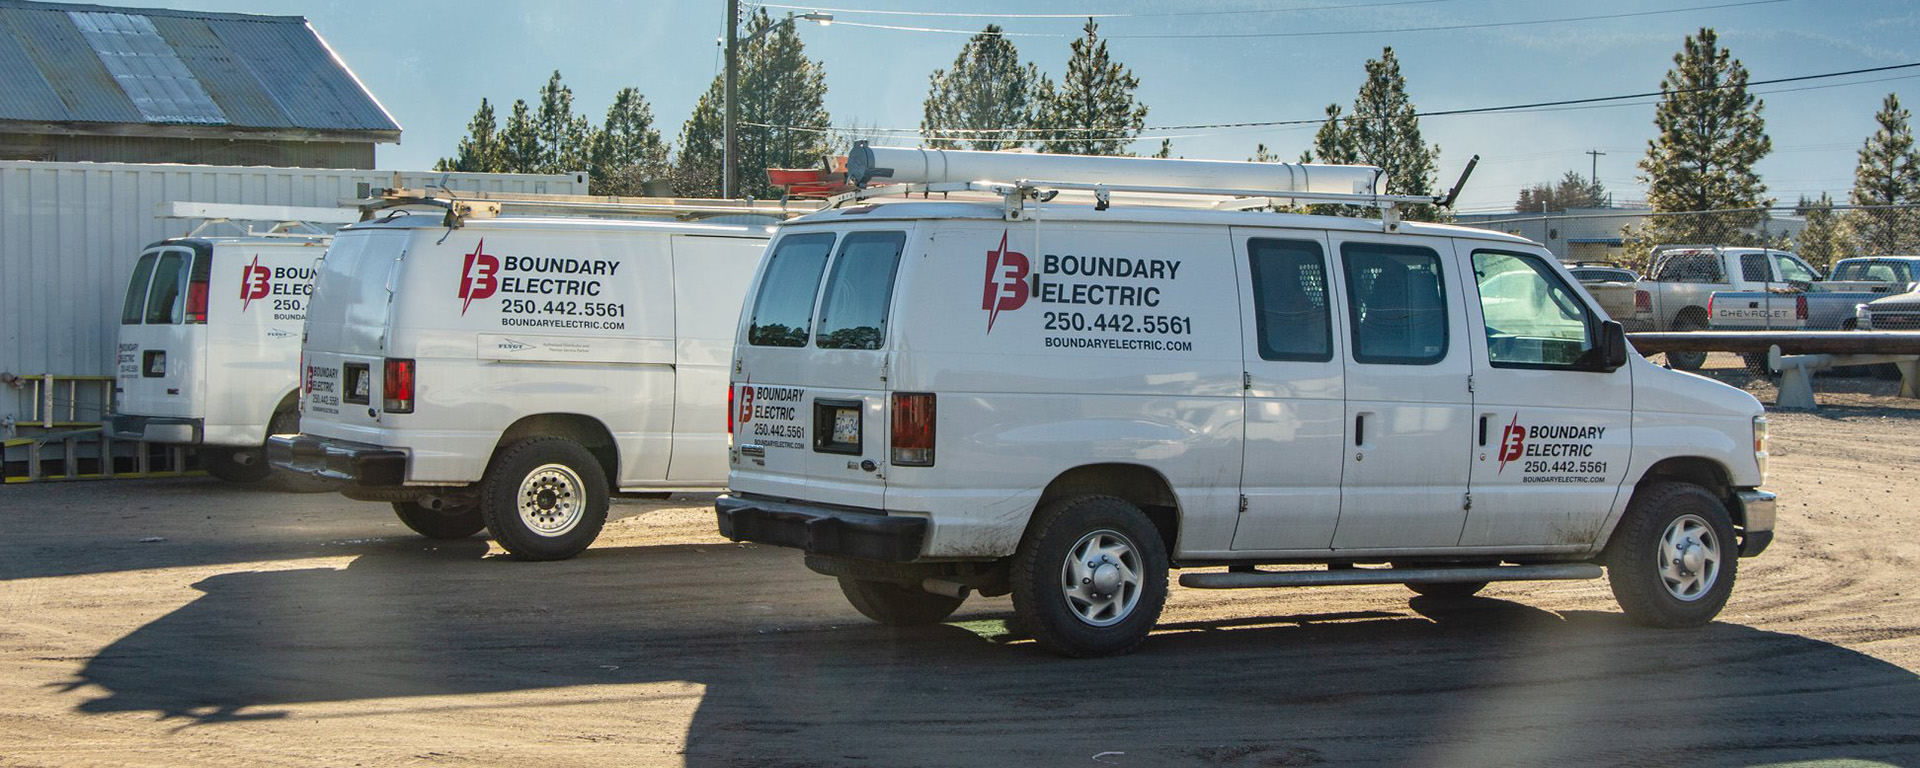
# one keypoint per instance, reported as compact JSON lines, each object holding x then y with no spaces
{"x":846,"y":426}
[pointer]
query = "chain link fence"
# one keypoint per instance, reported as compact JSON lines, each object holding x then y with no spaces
{"x":1627,"y":237}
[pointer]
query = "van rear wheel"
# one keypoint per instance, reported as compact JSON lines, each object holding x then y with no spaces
{"x":446,"y":522}
{"x":897,"y":605}
{"x":1672,"y":559}
{"x":1090,"y":577}
{"x":235,"y":465}
{"x":544,"y":498}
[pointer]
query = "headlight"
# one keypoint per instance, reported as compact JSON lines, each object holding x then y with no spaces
{"x":1862,"y":319}
{"x":1760,"y":445}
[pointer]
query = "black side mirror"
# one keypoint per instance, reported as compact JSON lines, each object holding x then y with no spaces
{"x":1611,"y":346}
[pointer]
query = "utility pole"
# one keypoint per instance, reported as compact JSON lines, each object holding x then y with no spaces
{"x":730,"y":172}
{"x":1594,"y":176}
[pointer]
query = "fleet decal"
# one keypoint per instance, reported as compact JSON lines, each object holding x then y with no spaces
{"x":321,"y":397}
{"x":1093,"y":301}
{"x":1553,"y":453}
{"x":542,"y":291}
{"x":771,"y":416}
{"x":288,"y":285}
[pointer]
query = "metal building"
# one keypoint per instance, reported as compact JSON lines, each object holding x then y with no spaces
{"x":150,"y":85}
{"x":70,"y":233}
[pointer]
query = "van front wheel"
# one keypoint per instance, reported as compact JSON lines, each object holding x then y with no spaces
{"x":443,"y":523}
{"x":544,"y":498}
{"x":1090,"y":577}
{"x":1672,"y":559}
{"x":896,"y":605}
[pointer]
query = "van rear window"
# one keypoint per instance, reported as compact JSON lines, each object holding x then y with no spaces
{"x":853,"y":313}
{"x":166,"y":299}
{"x":783,"y":312}
{"x":1399,"y":305}
{"x":136,"y":305}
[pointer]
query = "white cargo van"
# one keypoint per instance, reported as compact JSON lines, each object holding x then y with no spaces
{"x":210,"y":344}
{"x":1063,"y":400}
{"x":509,"y":372}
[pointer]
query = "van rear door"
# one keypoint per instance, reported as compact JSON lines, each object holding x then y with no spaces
{"x":346,"y":330}
{"x":161,"y":366}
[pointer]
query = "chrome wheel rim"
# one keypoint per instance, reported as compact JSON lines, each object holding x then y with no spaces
{"x":1101,"y":578}
{"x":1689,"y":558}
{"x":552,"y":499}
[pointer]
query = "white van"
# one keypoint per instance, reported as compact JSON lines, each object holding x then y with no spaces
{"x":210,"y":344}
{"x":509,"y":372}
{"x":1063,"y":400}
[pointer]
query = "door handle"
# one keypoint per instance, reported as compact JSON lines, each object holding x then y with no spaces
{"x":1360,"y":430}
{"x":1483,"y":430}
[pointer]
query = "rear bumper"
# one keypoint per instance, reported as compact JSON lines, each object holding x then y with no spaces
{"x":354,"y":463}
{"x":1757,"y":513}
{"x":156,"y":429}
{"x":867,"y":534}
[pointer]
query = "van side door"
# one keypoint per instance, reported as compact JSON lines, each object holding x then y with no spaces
{"x":1553,"y":430}
{"x":1408,"y":415}
{"x":1295,"y":391}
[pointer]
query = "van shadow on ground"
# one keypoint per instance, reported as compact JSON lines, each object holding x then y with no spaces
{"x":793,"y":677}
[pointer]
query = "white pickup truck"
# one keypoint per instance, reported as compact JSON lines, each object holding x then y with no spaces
{"x":1684,"y":278}
{"x":1827,"y":305}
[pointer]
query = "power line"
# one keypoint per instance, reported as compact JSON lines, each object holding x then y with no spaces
{"x":965,"y":15}
{"x":1325,"y":33}
{"x":1316,"y":121}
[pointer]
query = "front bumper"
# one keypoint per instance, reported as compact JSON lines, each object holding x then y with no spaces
{"x":155,"y":429}
{"x":1757,"y":513}
{"x":354,"y":463}
{"x":867,"y":534}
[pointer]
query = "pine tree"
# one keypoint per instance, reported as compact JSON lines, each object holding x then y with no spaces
{"x":778,"y":86}
{"x":627,"y":150}
{"x":1092,"y":111}
{"x":987,"y":89}
{"x":1166,"y":149}
{"x":520,"y":141}
{"x":1263,"y":155}
{"x":1888,"y":175}
{"x":1710,"y":136}
{"x":1572,"y":191}
{"x":1331,"y":144}
{"x":564,"y":137}
{"x":1825,"y":237}
{"x":480,"y":150}
{"x":1384,"y":131}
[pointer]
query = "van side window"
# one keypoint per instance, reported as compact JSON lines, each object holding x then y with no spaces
{"x":136,"y":305}
{"x":1533,"y":318}
{"x":784,"y":310}
{"x":1290,"y":299}
{"x":165,"y":299}
{"x":1398,"y":305}
{"x":853,"y":312}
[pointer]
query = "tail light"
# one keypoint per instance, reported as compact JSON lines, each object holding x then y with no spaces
{"x":913,"y":429}
{"x":197,"y":302}
{"x":729,"y":409}
{"x":1643,"y":301}
{"x":396,"y":388}
{"x":1800,"y":307}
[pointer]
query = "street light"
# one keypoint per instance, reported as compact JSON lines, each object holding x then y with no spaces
{"x":730,"y":171}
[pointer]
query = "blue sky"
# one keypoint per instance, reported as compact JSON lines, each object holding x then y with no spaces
{"x":430,"y":62}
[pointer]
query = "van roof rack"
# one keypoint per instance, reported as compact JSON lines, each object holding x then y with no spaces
{"x":284,"y":220}
{"x":462,"y":205}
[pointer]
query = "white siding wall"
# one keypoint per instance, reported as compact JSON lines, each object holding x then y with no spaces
{"x":70,"y":232}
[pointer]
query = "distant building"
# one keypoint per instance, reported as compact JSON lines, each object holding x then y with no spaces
{"x":149,"y":85}
{"x":1600,"y":234}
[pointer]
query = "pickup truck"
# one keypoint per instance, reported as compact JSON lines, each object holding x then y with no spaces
{"x":1617,"y":290}
{"x":1827,"y":305}
{"x":1683,"y":279}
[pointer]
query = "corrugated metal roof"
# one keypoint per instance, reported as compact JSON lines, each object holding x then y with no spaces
{"x":68,"y":63}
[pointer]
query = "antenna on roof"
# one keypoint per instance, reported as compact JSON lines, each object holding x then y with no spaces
{"x":1453,"y":194}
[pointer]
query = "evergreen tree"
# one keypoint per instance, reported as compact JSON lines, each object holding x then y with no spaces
{"x":1825,"y":237}
{"x":987,"y":89}
{"x":1166,"y":149}
{"x":480,"y":150}
{"x":1331,"y":144}
{"x":1572,"y":191}
{"x":565,"y":138}
{"x":778,"y":86}
{"x":1263,"y":155}
{"x":627,"y":150}
{"x":520,"y":141}
{"x":1710,"y":136}
{"x":1888,"y":175}
{"x":1384,"y":131}
{"x":1092,"y":111}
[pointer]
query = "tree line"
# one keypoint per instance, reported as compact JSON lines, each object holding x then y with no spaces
{"x":1709,"y":133}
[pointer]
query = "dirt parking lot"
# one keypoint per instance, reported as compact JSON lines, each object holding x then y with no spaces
{"x":188,"y":622}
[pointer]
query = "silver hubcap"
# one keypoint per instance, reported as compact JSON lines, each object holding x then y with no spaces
{"x":551,"y":499}
{"x":1689,"y":557}
{"x":1101,"y":578}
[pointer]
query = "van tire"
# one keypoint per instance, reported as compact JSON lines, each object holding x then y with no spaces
{"x":1071,"y":624}
{"x":235,"y":465}
{"x":898,"y":605}
{"x":1449,"y":590}
{"x":1654,"y":587}
{"x":544,"y":498}
{"x":448,"y":523}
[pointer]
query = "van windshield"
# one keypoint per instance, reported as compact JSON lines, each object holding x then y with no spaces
{"x":853,"y":314}
{"x":784,"y":310}
{"x":136,"y":305}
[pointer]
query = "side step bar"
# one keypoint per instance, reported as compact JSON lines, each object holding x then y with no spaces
{"x":1344,"y":576}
